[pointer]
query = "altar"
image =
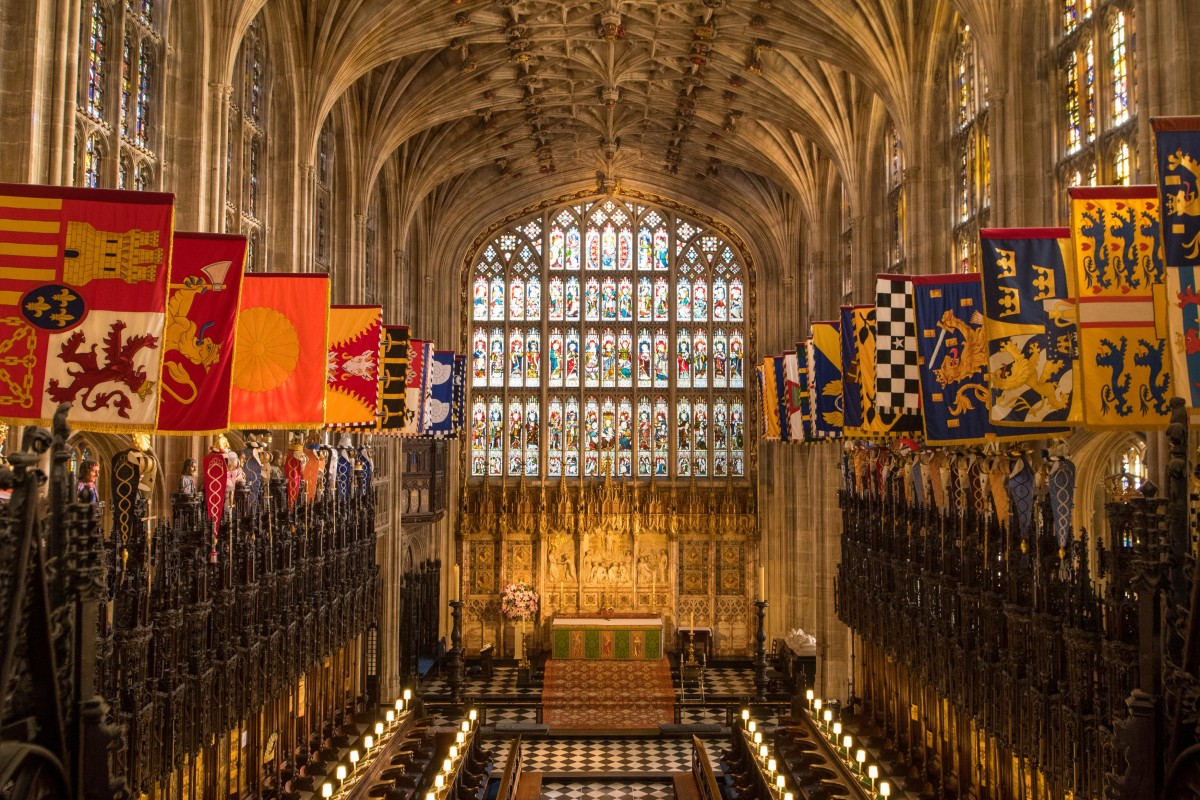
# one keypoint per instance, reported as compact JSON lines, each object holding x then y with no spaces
{"x":616,"y":638}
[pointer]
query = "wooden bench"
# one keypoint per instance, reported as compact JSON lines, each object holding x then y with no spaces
{"x":685,"y":786}
{"x":529,"y":787}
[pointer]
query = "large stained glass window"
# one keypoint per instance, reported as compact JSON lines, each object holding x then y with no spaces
{"x":1097,"y":113}
{"x":608,"y":339}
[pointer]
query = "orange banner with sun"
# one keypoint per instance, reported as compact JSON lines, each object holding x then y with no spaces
{"x":279,"y":353}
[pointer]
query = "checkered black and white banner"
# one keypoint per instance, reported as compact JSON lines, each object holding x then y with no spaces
{"x":897,"y":372}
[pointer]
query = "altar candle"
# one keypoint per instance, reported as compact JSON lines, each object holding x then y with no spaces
{"x":762,"y":583}
{"x":693,"y":626}
{"x":454,"y":594}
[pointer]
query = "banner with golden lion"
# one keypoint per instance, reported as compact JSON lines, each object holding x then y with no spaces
{"x":202,"y":307}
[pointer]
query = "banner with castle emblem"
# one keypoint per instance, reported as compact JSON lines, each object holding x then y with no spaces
{"x":393,"y":379}
{"x":864,"y":419}
{"x":770,"y":401}
{"x":83,"y":295}
{"x":1177,"y":154}
{"x":954,"y":358}
{"x":1029,"y":318}
{"x":202,"y":309}
{"x":1122,"y":298}
{"x":825,"y":384}
{"x":279,"y":352}
{"x":352,"y":366}
{"x":440,"y":422}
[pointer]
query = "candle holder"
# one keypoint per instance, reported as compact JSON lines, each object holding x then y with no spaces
{"x":760,"y":652}
{"x":456,"y":664}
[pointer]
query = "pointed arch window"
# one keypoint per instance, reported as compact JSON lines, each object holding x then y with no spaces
{"x":324,"y":192}
{"x":971,"y":150}
{"x":616,"y":349}
{"x":124,"y":127}
{"x":1097,"y":110}
{"x":245,"y":177}
{"x":895,"y":198}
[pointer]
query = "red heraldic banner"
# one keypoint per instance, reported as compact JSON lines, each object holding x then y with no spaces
{"x":279,"y":355}
{"x":352,"y":368}
{"x":202,"y":309}
{"x":83,"y":294}
{"x":414,"y":395}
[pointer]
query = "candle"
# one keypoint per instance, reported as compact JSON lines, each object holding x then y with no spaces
{"x":454,"y":591}
{"x":693,"y":628}
{"x":762,"y":583}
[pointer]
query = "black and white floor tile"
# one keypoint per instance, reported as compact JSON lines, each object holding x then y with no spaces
{"x":626,"y":790}
{"x":606,"y":755}
{"x":503,"y":682}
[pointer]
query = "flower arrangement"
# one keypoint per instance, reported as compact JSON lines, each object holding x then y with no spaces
{"x":518,"y":601}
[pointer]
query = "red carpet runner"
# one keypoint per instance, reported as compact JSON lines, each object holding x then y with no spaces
{"x":589,"y":695}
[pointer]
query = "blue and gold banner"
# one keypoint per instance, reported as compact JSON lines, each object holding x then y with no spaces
{"x":1029,"y":319}
{"x":954,"y":359}
{"x":1177,"y":155}
{"x":1122,"y":337}
{"x":864,"y":418}
{"x":825,"y":380}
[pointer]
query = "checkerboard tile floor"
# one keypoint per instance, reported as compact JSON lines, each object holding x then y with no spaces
{"x":720,"y":680}
{"x":606,"y":755}
{"x":632,"y":790}
{"x":502,"y":682}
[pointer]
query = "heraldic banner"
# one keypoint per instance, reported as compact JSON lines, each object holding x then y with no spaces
{"x":825,"y":385}
{"x":279,"y":355}
{"x":352,"y":368}
{"x":795,"y":393}
{"x":459,"y":401}
{"x":414,"y":395}
{"x":441,"y":393}
{"x":863,"y":416}
{"x":202,"y":309}
{"x":1177,"y":152}
{"x":770,"y":400}
{"x":83,"y":295}
{"x":1122,"y":345}
{"x":1029,"y":317}
{"x":954,"y":357}
{"x":393,"y":379}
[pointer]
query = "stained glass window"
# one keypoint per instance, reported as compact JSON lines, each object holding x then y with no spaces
{"x":969,"y":139}
{"x":1097,"y":107}
{"x":1118,"y":69}
{"x":324,"y":192}
{"x":635,"y":364}
{"x":93,"y":101}
{"x":91,"y":162}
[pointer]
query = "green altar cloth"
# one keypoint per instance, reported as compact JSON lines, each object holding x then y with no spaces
{"x":635,"y":638}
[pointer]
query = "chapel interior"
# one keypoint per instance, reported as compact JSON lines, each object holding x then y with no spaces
{"x":613,"y":578}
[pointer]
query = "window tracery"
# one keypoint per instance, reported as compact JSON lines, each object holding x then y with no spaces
{"x":324,"y":192}
{"x":247,"y":137}
{"x":971,"y":148}
{"x":607,"y":316}
{"x":125,"y":128}
{"x":895,"y":199}
{"x":1098,"y":110}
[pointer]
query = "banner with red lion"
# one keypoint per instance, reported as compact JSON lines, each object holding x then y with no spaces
{"x":83,"y":292}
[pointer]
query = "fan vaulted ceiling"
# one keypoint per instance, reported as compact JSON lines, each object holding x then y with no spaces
{"x":548,"y":93}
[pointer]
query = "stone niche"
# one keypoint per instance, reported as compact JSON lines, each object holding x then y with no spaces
{"x":611,"y":548}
